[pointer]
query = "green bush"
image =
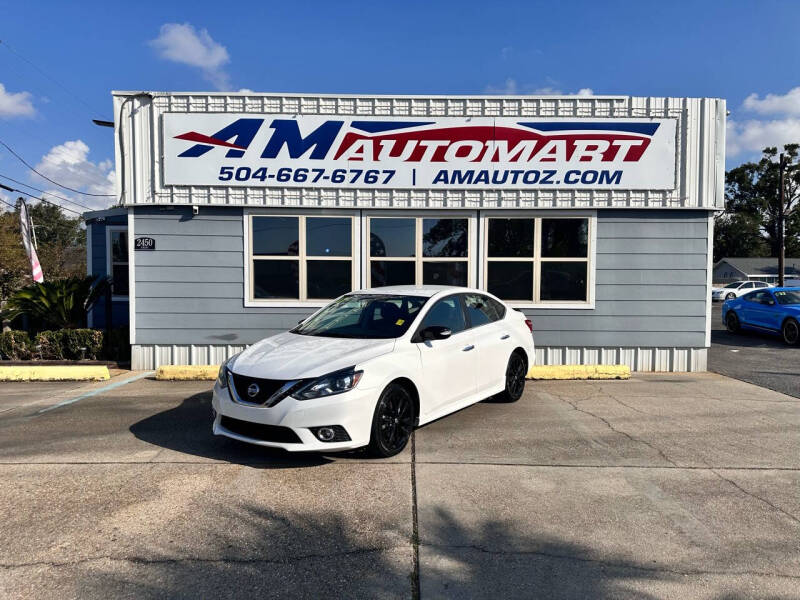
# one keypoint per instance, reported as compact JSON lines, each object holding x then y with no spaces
{"x":15,"y":345}
{"x":67,"y":343}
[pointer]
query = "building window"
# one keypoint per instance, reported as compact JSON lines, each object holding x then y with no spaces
{"x":300,"y":257}
{"x":418,"y":251}
{"x":538,"y":260}
{"x":117,"y":257}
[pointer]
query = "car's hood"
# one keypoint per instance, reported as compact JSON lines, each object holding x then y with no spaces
{"x":292,"y":356}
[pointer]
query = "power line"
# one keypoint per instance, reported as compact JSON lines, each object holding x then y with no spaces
{"x":10,"y":189}
{"x":48,"y":76}
{"x":22,"y":160}
{"x":8,"y":204}
{"x":46,"y":193}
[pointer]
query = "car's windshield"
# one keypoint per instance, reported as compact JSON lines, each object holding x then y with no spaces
{"x":787,"y":296}
{"x":373,"y":316}
{"x":735,"y":284}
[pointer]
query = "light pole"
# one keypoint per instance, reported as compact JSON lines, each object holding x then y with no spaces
{"x":781,"y":207}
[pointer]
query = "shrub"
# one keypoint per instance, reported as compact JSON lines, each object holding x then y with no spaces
{"x":67,"y":343}
{"x":15,"y":345}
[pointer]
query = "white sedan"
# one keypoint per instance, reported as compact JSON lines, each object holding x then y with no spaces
{"x":736,"y":289}
{"x":370,"y":366}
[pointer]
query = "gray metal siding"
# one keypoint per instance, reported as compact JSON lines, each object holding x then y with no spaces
{"x":650,"y":291}
{"x":650,"y":288}
{"x":189,"y":290}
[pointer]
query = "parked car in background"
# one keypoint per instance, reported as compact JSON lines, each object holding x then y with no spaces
{"x":370,"y":366}
{"x":736,"y":289}
{"x":773,"y":310}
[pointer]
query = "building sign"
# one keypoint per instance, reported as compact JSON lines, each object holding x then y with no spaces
{"x":255,"y":150}
{"x":144,"y":243}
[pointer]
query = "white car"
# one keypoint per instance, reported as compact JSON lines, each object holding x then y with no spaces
{"x":736,"y":289}
{"x":370,"y":366}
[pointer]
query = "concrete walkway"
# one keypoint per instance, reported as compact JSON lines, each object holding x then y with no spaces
{"x":665,"y":486}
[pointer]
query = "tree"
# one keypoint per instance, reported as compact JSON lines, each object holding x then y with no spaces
{"x":751,"y":192}
{"x":738,"y":234}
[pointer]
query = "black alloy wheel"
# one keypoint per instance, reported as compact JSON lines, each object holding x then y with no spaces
{"x":515,"y":378}
{"x":791,"y":332}
{"x":392,"y":422}
{"x":732,"y":322}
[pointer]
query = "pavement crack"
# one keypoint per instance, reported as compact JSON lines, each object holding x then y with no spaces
{"x":756,"y":496}
{"x":607,"y":563}
{"x":619,"y":431}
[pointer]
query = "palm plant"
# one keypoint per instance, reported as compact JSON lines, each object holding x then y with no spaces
{"x":60,"y":304}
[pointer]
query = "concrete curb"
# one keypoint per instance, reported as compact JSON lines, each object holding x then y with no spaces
{"x":54,"y":373}
{"x":187,"y":372}
{"x":579,"y":372}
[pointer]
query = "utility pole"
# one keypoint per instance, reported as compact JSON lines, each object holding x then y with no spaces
{"x":781,"y":237}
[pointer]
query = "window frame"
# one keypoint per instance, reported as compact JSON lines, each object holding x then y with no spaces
{"x":110,"y":262}
{"x":418,"y":259}
{"x":302,"y":258}
{"x":537,"y":259}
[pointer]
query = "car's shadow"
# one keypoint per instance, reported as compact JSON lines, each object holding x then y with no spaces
{"x":187,"y":429}
{"x":747,"y":338}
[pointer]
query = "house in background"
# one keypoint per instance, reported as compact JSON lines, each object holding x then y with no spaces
{"x":727,"y":270}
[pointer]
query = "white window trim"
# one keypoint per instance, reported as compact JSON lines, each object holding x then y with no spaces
{"x":247,"y":219}
{"x":109,"y":230}
{"x":472,"y":234}
{"x":485,"y":215}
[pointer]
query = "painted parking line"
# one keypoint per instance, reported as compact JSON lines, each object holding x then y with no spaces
{"x":105,"y":388}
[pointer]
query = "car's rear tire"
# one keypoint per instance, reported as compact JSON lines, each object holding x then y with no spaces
{"x":791,"y":331}
{"x":732,"y":322}
{"x":516,"y":370}
{"x":392,"y":422}
{"x":730,"y":296}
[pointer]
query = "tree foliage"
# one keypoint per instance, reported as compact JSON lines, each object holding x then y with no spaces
{"x":749,"y":226}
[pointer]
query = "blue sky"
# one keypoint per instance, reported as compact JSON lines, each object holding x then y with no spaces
{"x":746,"y":52}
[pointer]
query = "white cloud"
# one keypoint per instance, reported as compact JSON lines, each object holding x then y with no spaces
{"x":752,"y":136}
{"x":246,"y":91}
{"x":69,"y":164}
{"x":15,"y":104}
{"x":774,"y":104}
{"x":512,"y":88}
{"x":505,"y":52}
{"x":182,"y":43}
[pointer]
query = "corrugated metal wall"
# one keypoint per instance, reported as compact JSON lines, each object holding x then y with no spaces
{"x":650,"y":306}
{"x":700,"y":160}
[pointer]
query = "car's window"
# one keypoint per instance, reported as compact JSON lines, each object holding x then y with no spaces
{"x":761,"y":297}
{"x":751,"y":297}
{"x":367,"y":316}
{"x":788,"y":297}
{"x":747,"y":285}
{"x":446,"y":312}
{"x":733,"y":285}
{"x":482,"y":309}
{"x":760,"y":284}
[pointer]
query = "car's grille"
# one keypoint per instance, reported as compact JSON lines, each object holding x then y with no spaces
{"x":266,"y":387}
{"x":259,"y":431}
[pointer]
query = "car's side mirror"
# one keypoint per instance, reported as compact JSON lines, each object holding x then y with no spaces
{"x":435,"y":332}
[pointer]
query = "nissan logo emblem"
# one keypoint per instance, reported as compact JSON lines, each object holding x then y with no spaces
{"x":252,"y":390}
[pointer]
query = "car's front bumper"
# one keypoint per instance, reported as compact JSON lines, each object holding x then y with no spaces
{"x":351,"y":410}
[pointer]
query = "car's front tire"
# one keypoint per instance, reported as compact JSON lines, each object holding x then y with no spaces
{"x":392,"y":422}
{"x":516,"y":371}
{"x":732,"y":322}
{"x":791,"y":331}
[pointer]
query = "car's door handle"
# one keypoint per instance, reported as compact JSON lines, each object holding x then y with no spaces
{"x":468,"y":348}
{"x":505,"y":337}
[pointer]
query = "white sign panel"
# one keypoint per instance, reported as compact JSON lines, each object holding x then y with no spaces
{"x":418,"y":152}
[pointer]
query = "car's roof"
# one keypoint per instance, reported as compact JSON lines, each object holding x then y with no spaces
{"x":414,"y":290}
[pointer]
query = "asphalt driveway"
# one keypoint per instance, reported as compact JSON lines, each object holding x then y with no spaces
{"x":752,"y":356}
{"x":665,"y":486}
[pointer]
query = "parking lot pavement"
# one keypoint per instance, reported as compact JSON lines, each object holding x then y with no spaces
{"x":661,"y":486}
{"x":759,"y":358}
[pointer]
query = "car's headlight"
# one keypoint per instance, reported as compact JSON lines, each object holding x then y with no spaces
{"x":222,"y":376}
{"x":330,"y":384}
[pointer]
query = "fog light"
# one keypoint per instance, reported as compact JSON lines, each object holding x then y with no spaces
{"x":325,"y":434}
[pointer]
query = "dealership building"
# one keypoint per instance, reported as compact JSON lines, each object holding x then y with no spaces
{"x":240,"y":214}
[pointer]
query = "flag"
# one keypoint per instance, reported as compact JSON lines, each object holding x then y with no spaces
{"x":26,"y":228}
